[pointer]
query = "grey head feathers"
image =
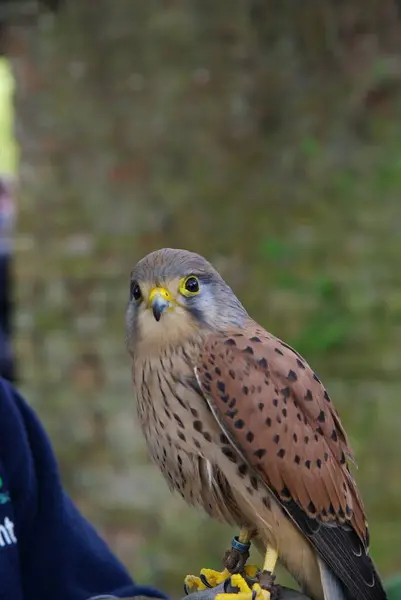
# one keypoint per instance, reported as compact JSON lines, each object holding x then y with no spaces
{"x":214,"y":308}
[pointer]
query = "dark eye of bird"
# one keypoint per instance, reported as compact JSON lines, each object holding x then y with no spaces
{"x":136,"y":293}
{"x":192,"y":285}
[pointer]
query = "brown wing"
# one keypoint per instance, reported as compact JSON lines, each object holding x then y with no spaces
{"x":279,"y":417}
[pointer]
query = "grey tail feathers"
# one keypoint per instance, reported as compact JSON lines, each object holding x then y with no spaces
{"x":332,"y":587}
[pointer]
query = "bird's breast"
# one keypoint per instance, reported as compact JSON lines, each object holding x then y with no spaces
{"x":165,"y":398}
{"x":187,"y":443}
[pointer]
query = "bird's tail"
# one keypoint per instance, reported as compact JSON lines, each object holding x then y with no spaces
{"x":333,"y":589}
{"x":332,"y":586}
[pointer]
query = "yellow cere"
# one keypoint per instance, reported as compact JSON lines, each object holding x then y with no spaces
{"x":159,"y":291}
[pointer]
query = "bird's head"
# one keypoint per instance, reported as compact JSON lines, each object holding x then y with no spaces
{"x":176,"y":295}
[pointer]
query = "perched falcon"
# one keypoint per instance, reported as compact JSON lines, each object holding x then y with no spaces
{"x":240,"y":425}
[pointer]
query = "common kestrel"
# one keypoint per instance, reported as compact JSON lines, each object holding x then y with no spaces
{"x":240,"y":425}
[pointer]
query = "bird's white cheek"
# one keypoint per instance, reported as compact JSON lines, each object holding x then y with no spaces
{"x":172,"y":329}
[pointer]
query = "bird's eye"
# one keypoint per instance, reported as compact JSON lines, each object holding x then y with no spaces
{"x":191,"y":285}
{"x":136,"y":293}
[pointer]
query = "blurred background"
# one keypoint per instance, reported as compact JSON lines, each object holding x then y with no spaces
{"x":265,"y":135}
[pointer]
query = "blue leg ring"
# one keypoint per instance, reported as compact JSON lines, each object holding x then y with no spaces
{"x":240,"y":546}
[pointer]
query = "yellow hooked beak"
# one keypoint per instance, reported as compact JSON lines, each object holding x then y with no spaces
{"x":160,"y":300}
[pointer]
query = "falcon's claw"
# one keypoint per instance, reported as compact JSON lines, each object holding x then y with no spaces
{"x":208,"y":578}
{"x":257,"y":592}
{"x":192,"y":583}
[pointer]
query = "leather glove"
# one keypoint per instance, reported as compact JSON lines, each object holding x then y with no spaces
{"x":210,"y":594}
{"x":226,"y":587}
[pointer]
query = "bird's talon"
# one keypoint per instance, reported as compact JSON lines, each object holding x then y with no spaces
{"x":208,"y":578}
{"x":214,"y":578}
{"x":192,"y":583}
{"x":205,"y":582}
{"x":238,"y":581}
{"x":245,"y":592}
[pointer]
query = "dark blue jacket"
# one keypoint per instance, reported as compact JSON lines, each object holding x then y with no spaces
{"x":7,"y":363}
{"x":48,"y":551}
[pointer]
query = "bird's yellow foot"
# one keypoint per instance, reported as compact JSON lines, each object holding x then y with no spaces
{"x":208,"y":578}
{"x":269,"y":591}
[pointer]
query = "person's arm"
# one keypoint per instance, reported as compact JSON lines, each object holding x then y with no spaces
{"x":61,"y":556}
